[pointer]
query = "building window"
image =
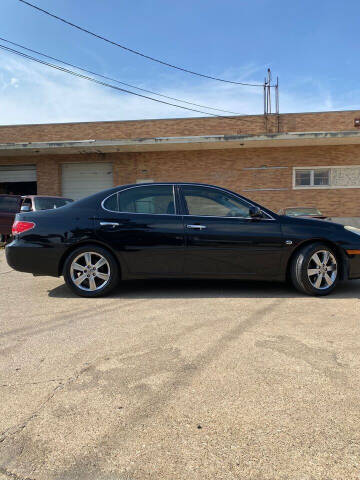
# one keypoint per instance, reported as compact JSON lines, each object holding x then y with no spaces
{"x":319,"y":177}
{"x":302,"y":178}
{"x":327,"y":177}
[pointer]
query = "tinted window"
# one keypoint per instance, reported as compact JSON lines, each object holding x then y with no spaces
{"x":111,"y":203}
{"x":48,"y":203}
{"x":154,"y":199}
{"x":204,"y":201}
{"x":9,"y":204}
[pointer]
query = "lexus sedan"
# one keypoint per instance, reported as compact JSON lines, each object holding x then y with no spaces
{"x":186,"y":230}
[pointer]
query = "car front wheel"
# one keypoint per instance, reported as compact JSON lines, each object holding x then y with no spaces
{"x":314,"y":269}
{"x":91,"y":271}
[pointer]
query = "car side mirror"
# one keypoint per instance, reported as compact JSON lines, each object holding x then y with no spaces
{"x":25,"y":208}
{"x":255,"y":212}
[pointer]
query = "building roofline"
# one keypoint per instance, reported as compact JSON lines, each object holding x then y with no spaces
{"x":157,"y":144}
{"x":228,"y":117}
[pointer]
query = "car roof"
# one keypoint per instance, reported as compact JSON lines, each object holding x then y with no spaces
{"x":197,"y":184}
{"x":170,"y":183}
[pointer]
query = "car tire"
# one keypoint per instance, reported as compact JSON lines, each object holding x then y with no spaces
{"x":315,"y":269}
{"x":91,"y":271}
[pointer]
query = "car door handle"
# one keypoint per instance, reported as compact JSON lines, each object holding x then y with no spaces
{"x":109,"y":224}
{"x":196,"y":227}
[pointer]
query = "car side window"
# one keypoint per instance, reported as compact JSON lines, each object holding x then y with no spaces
{"x":150,"y":199}
{"x":207,"y":201}
{"x":111,"y":203}
{"x":27,"y":202}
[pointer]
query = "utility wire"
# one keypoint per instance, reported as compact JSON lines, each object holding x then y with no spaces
{"x":135,"y":51}
{"x":114,"y":80}
{"x":85,"y":77}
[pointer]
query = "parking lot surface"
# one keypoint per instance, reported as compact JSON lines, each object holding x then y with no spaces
{"x":178,"y":380}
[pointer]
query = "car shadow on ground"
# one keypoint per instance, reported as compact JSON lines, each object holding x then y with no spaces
{"x":162,"y":289}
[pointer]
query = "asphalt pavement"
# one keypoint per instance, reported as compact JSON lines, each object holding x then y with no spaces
{"x":178,"y":380}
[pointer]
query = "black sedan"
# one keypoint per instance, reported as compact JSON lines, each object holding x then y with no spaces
{"x":172,"y":230}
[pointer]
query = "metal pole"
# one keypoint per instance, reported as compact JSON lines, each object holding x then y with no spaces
{"x":265,"y":107}
{"x":269,"y":89}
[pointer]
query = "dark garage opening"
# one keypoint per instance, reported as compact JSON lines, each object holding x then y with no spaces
{"x":18,"y":179}
{"x":19,"y":188}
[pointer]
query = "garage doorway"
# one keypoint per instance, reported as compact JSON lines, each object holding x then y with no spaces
{"x":82,"y":179}
{"x":18,"y":179}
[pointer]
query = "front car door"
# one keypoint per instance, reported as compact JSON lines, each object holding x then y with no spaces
{"x":143,"y":225}
{"x":223,"y":240}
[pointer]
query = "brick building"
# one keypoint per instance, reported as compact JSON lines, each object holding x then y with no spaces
{"x":308,"y":159}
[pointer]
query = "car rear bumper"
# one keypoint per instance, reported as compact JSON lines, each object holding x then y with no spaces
{"x":33,"y":258}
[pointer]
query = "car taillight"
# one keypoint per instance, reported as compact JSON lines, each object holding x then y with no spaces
{"x":20,"y":227}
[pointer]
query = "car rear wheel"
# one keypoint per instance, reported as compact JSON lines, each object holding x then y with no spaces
{"x":315,"y":270}
{"x":91,"y":271}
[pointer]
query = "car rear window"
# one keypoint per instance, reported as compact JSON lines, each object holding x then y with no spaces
{"x":9,"y":204}
{"x":149,"y":199}
{"x":154,"y":199}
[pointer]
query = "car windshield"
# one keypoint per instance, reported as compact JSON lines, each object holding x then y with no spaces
{"x":48,"y":203}
{"x":300,"y":211}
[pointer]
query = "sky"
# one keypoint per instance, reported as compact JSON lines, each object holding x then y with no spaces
{"x":312,"y":46}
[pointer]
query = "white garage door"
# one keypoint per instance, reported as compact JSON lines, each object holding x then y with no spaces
{"x":82,"y":179}
{"x":17,"y":173}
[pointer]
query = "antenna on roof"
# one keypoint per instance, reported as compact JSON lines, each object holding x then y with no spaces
{"x":268,"y":94}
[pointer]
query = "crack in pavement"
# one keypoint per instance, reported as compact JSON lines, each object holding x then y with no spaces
{"x":20,"y":426}
{"x":32,"y":383}
{"x":182,"y":378}
{"x":12,"y":475}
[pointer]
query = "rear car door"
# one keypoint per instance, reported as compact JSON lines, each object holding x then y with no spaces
{"x":223,"y":240}
{"x":9,"y":207}
{"x":143,"y":225}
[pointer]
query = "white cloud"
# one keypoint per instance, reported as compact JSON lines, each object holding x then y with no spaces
{"x":36,"y":94}
{"x":14,"y":82}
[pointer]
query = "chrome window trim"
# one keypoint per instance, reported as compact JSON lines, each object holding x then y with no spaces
{"x":232,"y":194}
{"x":174,"y":197}
{"x":141,"y":185}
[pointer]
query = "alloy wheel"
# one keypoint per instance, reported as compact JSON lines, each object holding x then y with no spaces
{"x":90,"y":271}
{"x":322,"y":269}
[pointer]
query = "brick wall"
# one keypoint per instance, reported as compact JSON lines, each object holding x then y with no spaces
{"x":252,"y":124}
{"x":230,"y":168}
